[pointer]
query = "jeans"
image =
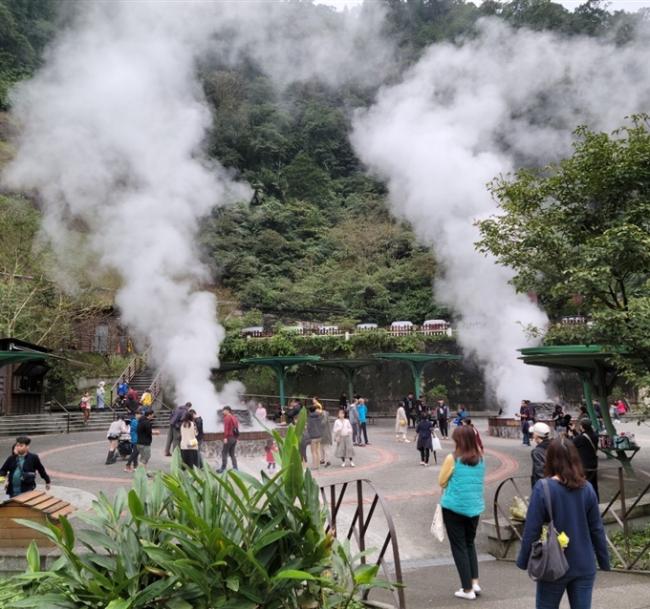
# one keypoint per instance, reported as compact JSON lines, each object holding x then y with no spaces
{"x":579,"y":589}
{"x":461,"y":531}
{"x":363,"y":431}
{"x":526,"y":437}
{"x":229,"y":447}
{"x":356,"y":434}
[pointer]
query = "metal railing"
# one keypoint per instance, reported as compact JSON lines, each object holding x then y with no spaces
{"x":509,"y":530}
{"x":133,"y":367}
{"x":333,"y":496}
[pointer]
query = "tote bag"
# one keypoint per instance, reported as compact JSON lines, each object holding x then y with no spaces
{"x":438,"y":526}
{"x":547,"y":562}
{"x":435,"y":442}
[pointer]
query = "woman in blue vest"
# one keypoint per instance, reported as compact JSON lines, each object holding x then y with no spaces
{"x":462,"y":480}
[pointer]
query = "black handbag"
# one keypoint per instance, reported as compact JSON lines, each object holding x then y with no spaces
{"x":547,"y":562}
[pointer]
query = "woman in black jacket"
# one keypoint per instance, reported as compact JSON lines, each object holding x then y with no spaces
{"x":587,"y":444}
{"x":21,"y":467}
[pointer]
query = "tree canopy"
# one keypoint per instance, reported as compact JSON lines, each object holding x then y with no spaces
{"x":578,"y":235}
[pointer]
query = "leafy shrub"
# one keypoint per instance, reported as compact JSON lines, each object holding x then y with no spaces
{"x":197,"y":539}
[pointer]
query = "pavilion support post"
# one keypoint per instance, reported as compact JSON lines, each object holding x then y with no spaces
{"x":589,"y":399}
{"x":349,"y":375}
{"x":281,"y":375}
{"x":602,"y":398}
{"x":417,"y":369}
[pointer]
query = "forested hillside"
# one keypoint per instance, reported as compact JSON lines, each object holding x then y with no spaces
{"x":316,"y":240}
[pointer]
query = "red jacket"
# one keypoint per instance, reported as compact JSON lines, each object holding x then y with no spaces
{"x":230,"y":422}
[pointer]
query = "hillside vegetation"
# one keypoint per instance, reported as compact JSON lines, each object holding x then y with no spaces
{"x":316,"y":241}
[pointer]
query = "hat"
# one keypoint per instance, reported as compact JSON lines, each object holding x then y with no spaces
{"x":541,"y":429}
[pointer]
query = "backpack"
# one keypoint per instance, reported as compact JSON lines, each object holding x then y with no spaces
{"x":235,"y":430}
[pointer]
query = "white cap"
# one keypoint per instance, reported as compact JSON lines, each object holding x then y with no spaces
{"x":541,"y":429}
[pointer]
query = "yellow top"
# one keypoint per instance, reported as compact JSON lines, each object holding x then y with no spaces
{"x":446,"y":470}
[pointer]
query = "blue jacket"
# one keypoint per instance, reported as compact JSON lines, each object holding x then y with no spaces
{"x":134,"y":431}
{"x":362,"y":410}
{"x":576,"y":513}
{"x":464,"y":492}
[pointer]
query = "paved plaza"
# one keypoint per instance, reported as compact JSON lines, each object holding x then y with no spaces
{"x":76,"y":464}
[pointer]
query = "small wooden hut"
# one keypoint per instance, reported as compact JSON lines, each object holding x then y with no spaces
{"x":34,"y":505}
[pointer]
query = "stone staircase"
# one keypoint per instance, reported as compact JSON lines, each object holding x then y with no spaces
{"x":62,"y":422}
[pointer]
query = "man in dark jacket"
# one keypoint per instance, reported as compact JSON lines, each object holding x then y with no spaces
{"x":174,"y":432}
{"x":442,"y":414}
{"x":409,"y":407}
{"x":541,"y":433}
{"x":21,"y":467}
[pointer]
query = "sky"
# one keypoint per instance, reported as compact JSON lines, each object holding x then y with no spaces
{"x":614,"y":5}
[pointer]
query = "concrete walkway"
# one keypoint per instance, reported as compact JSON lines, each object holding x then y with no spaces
{"x":76,"y":464}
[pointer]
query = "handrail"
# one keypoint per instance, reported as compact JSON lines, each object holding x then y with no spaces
{"x":132,"y":368}
{"x":359,"y":527}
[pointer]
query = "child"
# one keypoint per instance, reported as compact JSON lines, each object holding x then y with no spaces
{"x":269,"y":449}
{"x":343,"y":438}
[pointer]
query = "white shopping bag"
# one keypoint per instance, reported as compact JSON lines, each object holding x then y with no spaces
{"x":438,"y":526}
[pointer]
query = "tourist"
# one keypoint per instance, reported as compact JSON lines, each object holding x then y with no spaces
{"x":269,"y":457}
{"x":559,"y":420}
{"x":230,"y":436}
{"x":293,"y":412}
{"x":146,"y":399}
{"x":132,"y":461}
{"x":541,"y":438}
{"x":100,"y":396}
{"x":145,"y":436}
{"x":527,"y":417}
{"x":461,"y":414}
{"x":468,"y":422}
{"x":260,"y":413}
{"x":462,"y":479}
{"x":421,"y":410}
{"x":343,"y":401}
{"x":115,"y":430}
{"x":621,"y":407}
{"x":442,"y":416}
{"x":84,"y":404}
{"x":343,"y":438}
{"x":21,"y":467}
{"x":409,"y":407}
{"x":613,"y":412}
{"x":200,"y":435}
{"x":423,"y":432}
{"x":353,"y":415}
{"x":122,"y":390}
{"x":586,"y":443}
{"x":132,"y":400}
{"x":326,"y":438}
{"x":526,"y":424}
{"x":362,"y":410}
{"x":575,"y":514}
{"x":189,"y":443}
{"x":401,"y":423}
{"x":315,"y":433}
{"x":174,"y":431}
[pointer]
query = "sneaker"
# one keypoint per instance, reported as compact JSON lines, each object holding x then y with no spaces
{"x":221,"y":470}
{"x":343,"y":464}
{"x":477,"y":589}
{"x":351,"y":464}
{"x":128,"y":470}
{"x":422,"y":463}
{"x":407,"y":441}
{"x":470,"y":596}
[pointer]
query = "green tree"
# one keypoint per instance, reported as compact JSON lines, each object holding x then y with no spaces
{"x":579,"y":232}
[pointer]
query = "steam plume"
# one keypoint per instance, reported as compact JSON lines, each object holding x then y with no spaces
{"x":111,"y":141}
{"x":465,"y":114}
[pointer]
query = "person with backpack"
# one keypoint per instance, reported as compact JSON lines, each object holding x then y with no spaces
{"x":21,"y":467}
{"x":174,"y":432}
{"x":230,"y":437}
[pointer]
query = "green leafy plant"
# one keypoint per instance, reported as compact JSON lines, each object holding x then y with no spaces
{"x":194,"y":538}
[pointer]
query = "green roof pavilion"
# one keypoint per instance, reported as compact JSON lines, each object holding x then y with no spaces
{"x":417,"y":362}
{"x":349,"y":367}
{"x":279,"y":366}
{"x":594,"y":366}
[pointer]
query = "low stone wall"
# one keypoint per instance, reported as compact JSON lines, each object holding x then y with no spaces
{"x":250,"y":443}
{"x":502,"y":427}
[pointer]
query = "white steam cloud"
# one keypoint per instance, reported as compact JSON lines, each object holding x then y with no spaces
{"x":465,"y":114}
{"x":112,"y":129}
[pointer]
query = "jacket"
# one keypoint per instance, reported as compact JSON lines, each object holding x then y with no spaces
{"x":362,"y":411}
{"x":31,"y":465}
{"x":230,"y":422}
{"x":314,"y":425}
{"x":424,"y":434}
{"x":353,"y":414}
{"x":576,"y":513}
{"x":464,"y":491}
{"x":538,"y":455}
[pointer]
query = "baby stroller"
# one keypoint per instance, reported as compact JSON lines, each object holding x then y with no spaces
{"x":124,"y":447}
